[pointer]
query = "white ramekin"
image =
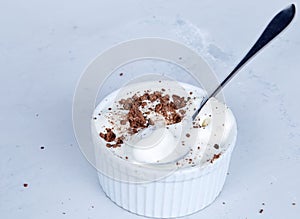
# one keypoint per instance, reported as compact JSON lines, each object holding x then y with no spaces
{"x":184,"y":192}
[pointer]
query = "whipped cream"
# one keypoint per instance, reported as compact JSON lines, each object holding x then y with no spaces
{"x":186,"y":143}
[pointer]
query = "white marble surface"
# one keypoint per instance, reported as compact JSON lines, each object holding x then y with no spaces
{"x":44,"y":46}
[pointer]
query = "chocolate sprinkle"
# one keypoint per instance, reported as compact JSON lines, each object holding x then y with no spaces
{"x":123,"y":122}
{"x":215,"y":157}
{"x":109,"y":136}
{"x":216,"y":146}
{"x":179,"y":101}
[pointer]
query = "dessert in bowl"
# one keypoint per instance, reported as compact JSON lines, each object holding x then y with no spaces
{"x":152,"y":159}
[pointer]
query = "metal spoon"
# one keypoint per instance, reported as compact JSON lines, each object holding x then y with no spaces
{"x":275,"y":27}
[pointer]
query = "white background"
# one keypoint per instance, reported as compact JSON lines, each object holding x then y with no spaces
{"x":44,"y":47}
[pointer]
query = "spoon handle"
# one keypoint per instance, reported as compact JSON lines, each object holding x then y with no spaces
{"x":277,"y":24}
